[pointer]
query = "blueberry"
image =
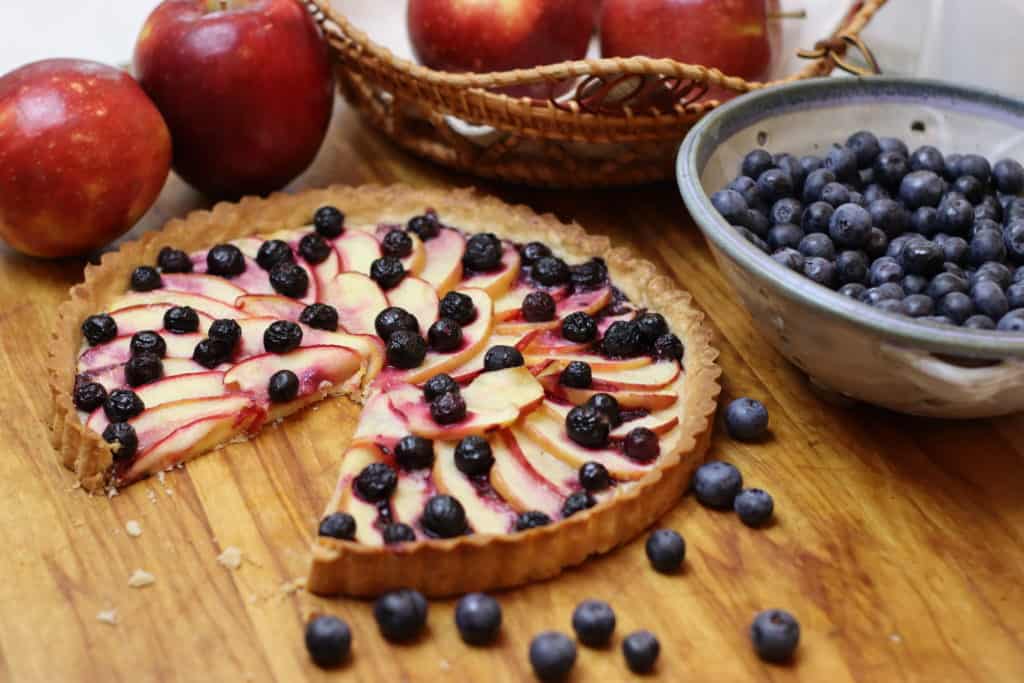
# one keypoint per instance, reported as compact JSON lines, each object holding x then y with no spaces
{"x":320,"y":317}
{"x":888,"y":290}
{"x":956,"y":306}
{"x":716,"y":484}
{"x":181,"y":320}
{"x":124,"y":440}
{"x":1013,"y":240}
{"x":858,"y":199}
{"x":758,"y":224}
{"x":478,"y":618}
{"x":974,"y":165}
{"x":587,"y":426}
{"x":791,"y":165}
{"x":925,"y":220}
{"x":927,"y":158}
{"x":755,"y":163}
{"x":122,"y":405}
{"x":918,"y":305}
{"x":225,"y":260}
{"x":989,"y":299}
{"x":551,"y":271}
{"x":874,"y":191}
{"x":339,"y":525}
{"x":817,"y":244}
{"x":877,"y":243}
{"x":397,"y":532}
{"x":608,"y":406}
{"x":375,"y":482}
{"x":211,"y":352}
{"x":865,"y":147}
{"x":651,"y":326}
{"x":552,"y":656}
{"x":173,"y":261}
{"x":531,"y":519}
{"x":853,"y":290}
{"x":414,"y":452}
{"x":843,"y":162}
{"x":289,"y":279}
{"x":483,"y":252}
{"x":589,"y":274}
{"x":641,"y":444}
{"x":538,"y":307}
{"x":1009,"y":176}
{"x":668,"y":347}
{"x":1015,"y":295}
{"x":577,"y":374}
{"x":754,"y":507}
{"x":889,"y":169}
{"x":944,"y":283}
{"x":773,"y":185}
{"x":426,"y":226}
{"x":986,"y":246}
{"x":893,"y":145}
{"x":775,"y":634}
{"x":473,"y":456}
{"x":147,"y":341}
{"x":594,"y":476}
{"x":273,"y":252}
{"x":500,"y":357}
{"x":401,"y":615}
{"x":283,"y":386}
{"x":394,"y":319}
{"x":396,"y":243}
{"x":387,"y":271}
{"x":731,"y":205}
{"x":810,"y":163}
{"x":329,"y":221}
{"x":954,"y":249}
{"x":956,"y":215}
{"x":328,"y":641}
{"x":896,"y":245}
{"x":1012,"y":321}
{"x":146,"y":279}
{"x":821,"y":271}
{"x":99,"y":328}
{"x":594,"y":623}
{"x":282,"y":336}
{"x":579,"y":327}
{"x":921,"y":257}
{"x":444,"y":517}
{"x":746,"y":419}
{"x":405,"y":349}
{"x":816,"y":217}
{"x":996,"y":272}
{"x":980,"y":322}
{"x":790,"y":258}
{"x":815,"y":183}
{"x":535,"y":251}
{"x":641,"y":650}
{"x":622,"y":339}
{"x":970,"y":187}
{"x":746,"y":187}
{"x":989,"y":207}
{"x":921,"y":188}
{"x":448,"y":408}
{"x":835,"y":194}
{"x":665,"y":550}
{"x":885,"y":269}
{"x":445,"y":335}
{"x":851,"y":267}
{"x":143,"y":368}
{"x":784,"y":235}
{"x":88,"y":396}
{"x":314,"y":248}
{"x":889,"y":216}
{"x":753,"y":239}
{"x":577,"y":502}
{"x":459,"y":307}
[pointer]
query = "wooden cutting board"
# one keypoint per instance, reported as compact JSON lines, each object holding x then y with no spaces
{"x":898,"y":544}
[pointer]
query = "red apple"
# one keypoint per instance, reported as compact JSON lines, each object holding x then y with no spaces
{"x":246,"y":88}
{"x":499,"y":35}
{"x":83,"y":154}
{"x":729,"y":35}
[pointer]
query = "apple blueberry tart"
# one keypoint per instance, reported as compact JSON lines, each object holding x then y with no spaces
{"x":529,"y":396}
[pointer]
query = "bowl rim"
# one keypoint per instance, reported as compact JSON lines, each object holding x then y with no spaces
{"x":823,"y":93}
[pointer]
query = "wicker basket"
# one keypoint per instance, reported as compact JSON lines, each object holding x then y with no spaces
{"x":620,"y":124}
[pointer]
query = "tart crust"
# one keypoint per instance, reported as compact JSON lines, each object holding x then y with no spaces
{"x":435,"y":567}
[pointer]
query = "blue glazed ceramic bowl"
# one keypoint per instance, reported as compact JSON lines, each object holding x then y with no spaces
{"x":844,"y":345}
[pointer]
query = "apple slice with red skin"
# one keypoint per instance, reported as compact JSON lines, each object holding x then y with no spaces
{"x":524,"y":486}
{"x":112,"y":377}
{"x":499,"y":281}
{"x":474,"y":366}
{"x":589,"y":302}
{"x":596,"y":362}
{"x":270,"y":305}
{"x":192,"y":440}
{"x":371,"y":348}
{"x":132,"y":319}
{"x":210,"y":286}
{"x":154,"y":424}
{"x":551,"y":341}
{"x":418,"y":297}
{"x":511,"y":302}
{"x":379,"y":424}
{"x":118,"y":350}
{"x":255,"y":280}
{"x":168,"y":390}
{"x":650,"y":400}
{"x":411,"y":494}
{"x":199,"y":303}
{"x":358,"y":250}
{"x":550,"y":435}
{"x":358,"y":300}
{"x":355,"y":460}
{"x":443,"y":268}
{"x":650,"y":377}
{"x":486,"y":511}
{"x":320,"y":370}
{"x":475,"y":338}
{"x":660,"y":422}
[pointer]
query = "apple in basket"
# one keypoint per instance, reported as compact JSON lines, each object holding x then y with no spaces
{"x":83,"y":154}
{"x":500,"y":35}
{"x":245,"y":86}
{"x":730,"y":35}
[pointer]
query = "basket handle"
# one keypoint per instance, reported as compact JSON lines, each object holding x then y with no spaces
{"x":835,"y":49}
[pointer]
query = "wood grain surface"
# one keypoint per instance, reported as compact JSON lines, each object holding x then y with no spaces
{"x":899,"y":542}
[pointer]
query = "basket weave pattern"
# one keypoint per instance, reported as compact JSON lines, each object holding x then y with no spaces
{"x":619,"y":124}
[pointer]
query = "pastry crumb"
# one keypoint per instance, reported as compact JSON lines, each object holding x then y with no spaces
{"x":445,"y":666}
{"x":151,"y":495}
{"x":111,"y":491}
{"x":107,"y":616}
{"x":289,"y":587}
{"x":231,"y":557}
{"x":133,"y":528}
{"x":141,"y":578}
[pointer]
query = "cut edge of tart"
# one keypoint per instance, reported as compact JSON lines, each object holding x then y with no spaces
{"x":437,"y":567}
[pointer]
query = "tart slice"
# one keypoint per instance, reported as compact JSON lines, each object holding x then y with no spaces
{"x":495,"y":352}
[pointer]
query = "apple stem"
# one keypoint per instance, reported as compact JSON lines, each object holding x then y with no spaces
{"x":218,"y":5}
{"x":790,"y":14}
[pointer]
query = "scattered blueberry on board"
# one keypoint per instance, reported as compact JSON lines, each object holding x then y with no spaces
{"x":478,"y":618}
{"x":926,"y":235}
{"x":666,"y":550}
{"x":775,"y":634}
{"x":641,"y":650}
{"x":328,"y":640}
{"x":716,"y":484}
{"x":754,"y":507}
{"x":746,"y":419}
{"x":594,"y":622}
{"x":401,"y":615}
{"x":552,"y":656}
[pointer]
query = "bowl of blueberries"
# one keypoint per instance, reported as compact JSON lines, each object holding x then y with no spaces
{"x":874,"y":228}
